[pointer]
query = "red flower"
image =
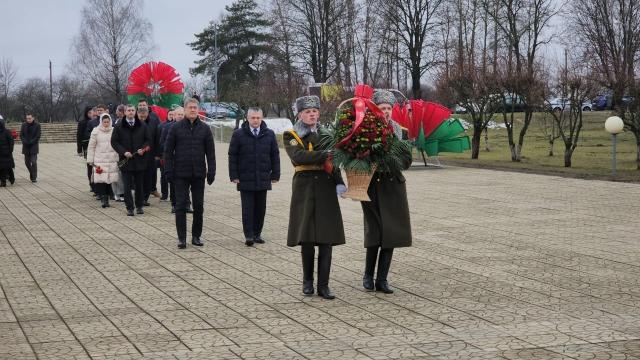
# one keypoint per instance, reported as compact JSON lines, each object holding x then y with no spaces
{"x":99,"y":170}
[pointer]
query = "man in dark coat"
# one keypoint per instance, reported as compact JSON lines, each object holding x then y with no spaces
{"x":189,"y":156}
{"x":6,"y":154}
{"x":386,"y":216}
{"x":254,"y":164}
{"x":95,"y":121}
{"x":150,"y":175}
{"x":314,"y":218}
{"x":163,"y":128}
{"x":119,"y":114}
{"x":30,"y":137}
{"x":82,"y":141}
{"x":131,"y":141}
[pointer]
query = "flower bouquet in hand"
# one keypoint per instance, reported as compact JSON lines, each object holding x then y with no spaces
{"x":99,"y":170}
{"x":140,"y":152}
{"x":363,"y":142}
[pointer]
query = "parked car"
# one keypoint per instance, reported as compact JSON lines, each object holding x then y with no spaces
{"x":605,"y":101}
{"x":560,"y":104}
{"x":219,"y":110}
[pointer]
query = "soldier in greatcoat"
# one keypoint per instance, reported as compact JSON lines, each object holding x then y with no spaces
{"x":386,"y":216}
{"x":315,"y":218}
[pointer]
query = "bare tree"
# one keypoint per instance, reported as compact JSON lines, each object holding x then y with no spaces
{"x":8,"y":74}
{"x":466,"y":78}
{"x":608,"y":32}
{"x":574,"y":86}
{"x":114,"y":37}
{"x":547,"y":125}
{"x":316,"y":24}
{"x":524,"y":26}
{"x":414,"y":22}
{"x":282,"y":62}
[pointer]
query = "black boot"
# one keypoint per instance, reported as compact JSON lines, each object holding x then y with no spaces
{"x":182,"y":243}
{"x":196,"y":241}
{"x":324,"y":269}
{"x":3,"y":183}
{"x":369,"y":268}
{"x":384,"y":263}
{"x":308,"y":254}
{"x":105,"y":201}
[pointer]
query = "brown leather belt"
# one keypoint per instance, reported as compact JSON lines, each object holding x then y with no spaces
{"x":299,"y":168}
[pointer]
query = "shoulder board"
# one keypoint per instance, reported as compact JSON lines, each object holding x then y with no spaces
{"x":297,"y":140}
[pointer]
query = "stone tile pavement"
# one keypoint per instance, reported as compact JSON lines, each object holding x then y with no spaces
{"x":504,"y":266}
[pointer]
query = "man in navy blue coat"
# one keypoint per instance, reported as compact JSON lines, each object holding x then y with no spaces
{"x":254,"y":164}
{"x":189,"y":155}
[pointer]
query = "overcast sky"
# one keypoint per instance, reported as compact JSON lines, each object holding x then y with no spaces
{"x":34,"y":31}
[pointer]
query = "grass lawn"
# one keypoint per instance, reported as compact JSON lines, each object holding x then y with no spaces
{"x":591,"y":159}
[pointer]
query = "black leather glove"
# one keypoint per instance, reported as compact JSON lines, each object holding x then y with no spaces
{"x":210,"y":178}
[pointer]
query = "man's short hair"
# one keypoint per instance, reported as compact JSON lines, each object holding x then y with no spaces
{"x":143,"y":108}
{"x":191,"y":101}
{"x":102,"y":106}
{"x":120,"y":107}
{"x":142,"y":100}
{"x":255,"y":109}
{"x":178,"y":108}
{"x":129,"y":106}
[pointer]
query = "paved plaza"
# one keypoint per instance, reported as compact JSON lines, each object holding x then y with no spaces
{"x":503,"y":266}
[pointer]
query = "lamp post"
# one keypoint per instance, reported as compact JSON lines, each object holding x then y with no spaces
{"x":215,"y":60}
{"x":614,"y":125}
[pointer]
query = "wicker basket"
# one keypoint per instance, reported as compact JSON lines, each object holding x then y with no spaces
{"x":358,"y":183}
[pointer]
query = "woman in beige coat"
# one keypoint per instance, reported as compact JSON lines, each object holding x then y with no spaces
{"x":103,"y":159}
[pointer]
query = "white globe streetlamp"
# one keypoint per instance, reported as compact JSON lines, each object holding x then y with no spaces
{"x":614,"y":125}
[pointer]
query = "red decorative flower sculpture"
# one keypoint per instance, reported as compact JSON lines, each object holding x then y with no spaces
{"x":157,"y":82}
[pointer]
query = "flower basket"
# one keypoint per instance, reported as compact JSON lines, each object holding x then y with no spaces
{"x":358,"y":184}
{"x":362,"y":142}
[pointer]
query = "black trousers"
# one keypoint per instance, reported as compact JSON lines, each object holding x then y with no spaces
{"x":150,"y":180}
{"x":164,"y":184}
{"x":133,"y":180}
{"x":89,"y":173}
{"x":31,"y":162}
{"x":102,"y":189}
{"x":4,"y":175}
{"x":254,"y":205}
{"x":183,"y":186}
{"x":168,"y":189}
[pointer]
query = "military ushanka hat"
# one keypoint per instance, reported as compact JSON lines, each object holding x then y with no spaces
{"x":383,"y":97}
{"x":307,"y":102}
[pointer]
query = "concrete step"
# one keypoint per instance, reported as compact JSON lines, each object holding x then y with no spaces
{"x":53,"y":132}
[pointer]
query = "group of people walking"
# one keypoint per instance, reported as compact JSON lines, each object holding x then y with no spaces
{"x":30,"y":138}
{"x":124,"y":153}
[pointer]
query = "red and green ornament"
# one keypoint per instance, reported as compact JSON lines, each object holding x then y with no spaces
{"x":430,"y":128}
{"x":158,"y":83}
